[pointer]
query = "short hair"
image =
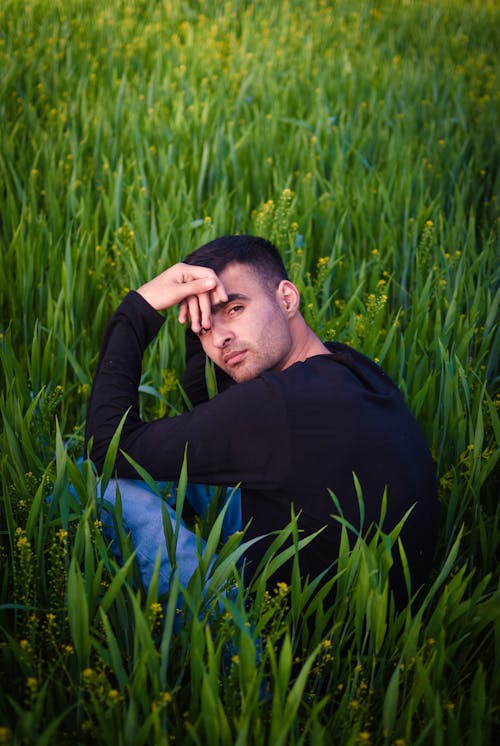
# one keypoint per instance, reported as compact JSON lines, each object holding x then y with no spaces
{"x":255,"y":252}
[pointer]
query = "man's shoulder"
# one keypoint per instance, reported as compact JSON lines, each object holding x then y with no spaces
{"x":343,"y":369}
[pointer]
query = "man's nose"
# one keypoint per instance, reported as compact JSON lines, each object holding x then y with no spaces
{"x":220,"y":333}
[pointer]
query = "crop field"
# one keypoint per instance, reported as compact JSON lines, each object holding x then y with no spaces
{"x":362,"y":138}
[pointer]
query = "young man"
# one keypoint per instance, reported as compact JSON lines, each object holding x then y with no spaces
{"x":302,"y":418}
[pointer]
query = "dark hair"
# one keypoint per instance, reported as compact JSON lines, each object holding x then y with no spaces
{"x":255,"y":252}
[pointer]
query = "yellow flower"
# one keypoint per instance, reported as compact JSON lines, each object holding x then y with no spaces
{"x":32,"y":684}
{"x":5,"y":734}
{"x":282,"y":588}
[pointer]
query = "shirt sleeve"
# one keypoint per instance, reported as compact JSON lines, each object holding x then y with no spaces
{"x":237,"y":437}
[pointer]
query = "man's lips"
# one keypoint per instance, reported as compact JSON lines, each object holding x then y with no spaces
{"x":234,"y":357}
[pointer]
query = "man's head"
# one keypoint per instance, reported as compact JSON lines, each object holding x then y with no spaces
{"x":254,"y":331}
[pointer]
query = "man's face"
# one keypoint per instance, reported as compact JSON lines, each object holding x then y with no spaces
{"x":250,"y":333}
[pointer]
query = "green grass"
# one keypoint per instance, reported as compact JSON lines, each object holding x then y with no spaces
{"x":361,"y":137}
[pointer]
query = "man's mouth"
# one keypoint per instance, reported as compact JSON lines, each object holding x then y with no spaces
{"x":234,"y":357}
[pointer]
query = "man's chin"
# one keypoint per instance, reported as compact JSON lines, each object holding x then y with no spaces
{"x":240,"y":375}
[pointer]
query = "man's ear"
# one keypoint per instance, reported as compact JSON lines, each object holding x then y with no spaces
{"x":288,"y":298}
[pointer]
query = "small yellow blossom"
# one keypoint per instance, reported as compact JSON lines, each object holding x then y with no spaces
{"x":282,"y":588}
{"x":5,"y":734}
{"x":32,"y":684}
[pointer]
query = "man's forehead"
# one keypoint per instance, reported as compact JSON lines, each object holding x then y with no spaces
{"x":240,"y":273}
{"x":241,"y":282}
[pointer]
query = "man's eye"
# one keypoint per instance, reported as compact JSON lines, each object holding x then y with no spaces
{"x":234,"y":309}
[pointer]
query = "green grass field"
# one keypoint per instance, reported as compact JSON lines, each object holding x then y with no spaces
{"x":363,"y":139}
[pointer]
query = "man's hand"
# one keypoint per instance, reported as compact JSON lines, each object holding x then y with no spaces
{"x":197,"y":289}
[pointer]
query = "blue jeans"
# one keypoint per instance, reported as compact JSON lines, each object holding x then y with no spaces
{"x":142,"y":518}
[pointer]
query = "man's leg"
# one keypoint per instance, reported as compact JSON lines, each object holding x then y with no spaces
{"x":142,"y":517}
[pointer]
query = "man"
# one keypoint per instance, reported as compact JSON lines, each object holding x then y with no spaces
{"x":302,"y":418}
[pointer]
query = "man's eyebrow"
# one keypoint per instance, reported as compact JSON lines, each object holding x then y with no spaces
{"x":230,"y":298}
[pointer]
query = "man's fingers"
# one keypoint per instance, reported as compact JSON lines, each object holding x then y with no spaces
{"x":182,"y":281}
{"x":194,"y":313}
{"x":183,"y":312}
{"x":205,"y":310}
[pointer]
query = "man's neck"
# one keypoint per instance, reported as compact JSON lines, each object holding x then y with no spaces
{"x":305,"y":343}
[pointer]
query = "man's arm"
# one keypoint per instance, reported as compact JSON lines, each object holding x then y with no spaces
{"x":230,"y":439}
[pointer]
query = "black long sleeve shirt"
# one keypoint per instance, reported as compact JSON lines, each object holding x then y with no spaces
{"x":288,"y":437}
